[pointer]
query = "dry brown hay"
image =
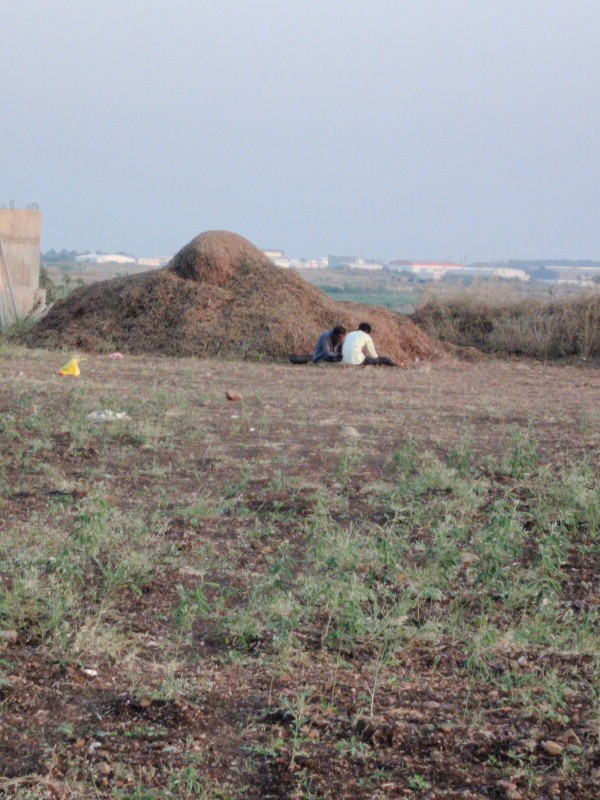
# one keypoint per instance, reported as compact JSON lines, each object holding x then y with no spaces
{"x":219,"y":296}
{"x":515,"y":325}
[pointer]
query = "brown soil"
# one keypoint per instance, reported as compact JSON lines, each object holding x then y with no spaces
{"x":219,"y":296}
{"x":61,"y":726}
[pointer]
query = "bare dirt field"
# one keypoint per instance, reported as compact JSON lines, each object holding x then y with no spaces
{"x":353,"y":583}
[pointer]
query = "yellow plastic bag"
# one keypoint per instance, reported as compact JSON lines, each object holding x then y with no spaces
{"x":72,"y":368}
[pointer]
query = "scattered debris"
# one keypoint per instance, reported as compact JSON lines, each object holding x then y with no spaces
{"x":91,"y":673}
{"x":529,"y":744}
{"x":552,"y":748}
{"x":348,"y":430}
{"x":108,"y":416}
{"x":71,"y":368}
{"x":571,"y":738}
{"x":511,"y":790}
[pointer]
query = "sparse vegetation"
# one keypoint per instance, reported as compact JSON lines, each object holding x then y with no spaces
{"x":214,"y":600}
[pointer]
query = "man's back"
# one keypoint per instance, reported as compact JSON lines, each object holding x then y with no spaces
{"x":353,"y":349}
{"x":326,"y":348}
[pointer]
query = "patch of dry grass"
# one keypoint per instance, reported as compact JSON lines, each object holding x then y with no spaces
{"x":498,"y":320}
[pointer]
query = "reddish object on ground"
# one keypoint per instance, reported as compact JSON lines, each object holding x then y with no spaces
{"x":231,"y":395}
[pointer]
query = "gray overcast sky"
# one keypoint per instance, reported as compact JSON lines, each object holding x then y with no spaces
{"x":396,"y":128}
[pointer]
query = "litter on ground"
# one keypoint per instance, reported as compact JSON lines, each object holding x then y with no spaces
{"x":348,"y":430}
{"x":71,"y":368}
{"x":108,"y":416}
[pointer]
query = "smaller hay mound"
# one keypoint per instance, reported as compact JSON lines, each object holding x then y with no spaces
{"x":214,"y":257}
{"x":548,"y":329}
{"x":219,"y":296}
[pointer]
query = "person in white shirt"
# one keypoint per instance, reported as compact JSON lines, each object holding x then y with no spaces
{"x":358,"y":348}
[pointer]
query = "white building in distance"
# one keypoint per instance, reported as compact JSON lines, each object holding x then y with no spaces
{"x":436,"y":270}
{"x":104,"y":258}
{"x":370,"y":266}
{"x":274,"y":255}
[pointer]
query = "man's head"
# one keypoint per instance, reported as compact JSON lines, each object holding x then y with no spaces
{"x":364,"y":327}
{"x":338,"y":334}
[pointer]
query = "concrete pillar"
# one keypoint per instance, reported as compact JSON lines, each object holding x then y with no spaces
{"x":19,"y":263}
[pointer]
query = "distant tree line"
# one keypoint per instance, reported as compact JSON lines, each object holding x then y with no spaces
{"x":52,"y":257}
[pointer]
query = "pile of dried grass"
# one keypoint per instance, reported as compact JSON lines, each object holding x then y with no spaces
{"x":219,"y":296}
{"x":548,"y":329}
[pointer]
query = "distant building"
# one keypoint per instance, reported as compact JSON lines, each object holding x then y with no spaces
{"x":300,"y":263}
{"x":436,"y":270}
{"x":574,"y":274}
{"x":149,"y":262}
{"x":544,"y":274}
{"x":506,"y":273}
{"x":305,"y":263}
{"x":339,"y":261}
{"x":274,"y":255}
{"x":19,"y":264}
{"x":104,"y":258}
{"x":371,"y":266}
{"x":426,"y":270}
{"x":116,"y":258}
{"x":353,"y":262}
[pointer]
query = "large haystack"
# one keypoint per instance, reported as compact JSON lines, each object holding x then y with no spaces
{"x":219,"y":296}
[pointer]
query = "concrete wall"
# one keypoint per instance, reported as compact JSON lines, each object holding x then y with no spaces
{"x":19,"y":263}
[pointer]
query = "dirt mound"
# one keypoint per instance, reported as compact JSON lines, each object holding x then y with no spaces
{"x":219,"y":296}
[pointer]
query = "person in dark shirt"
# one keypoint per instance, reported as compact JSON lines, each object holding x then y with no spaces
{"x":329,"y":346}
